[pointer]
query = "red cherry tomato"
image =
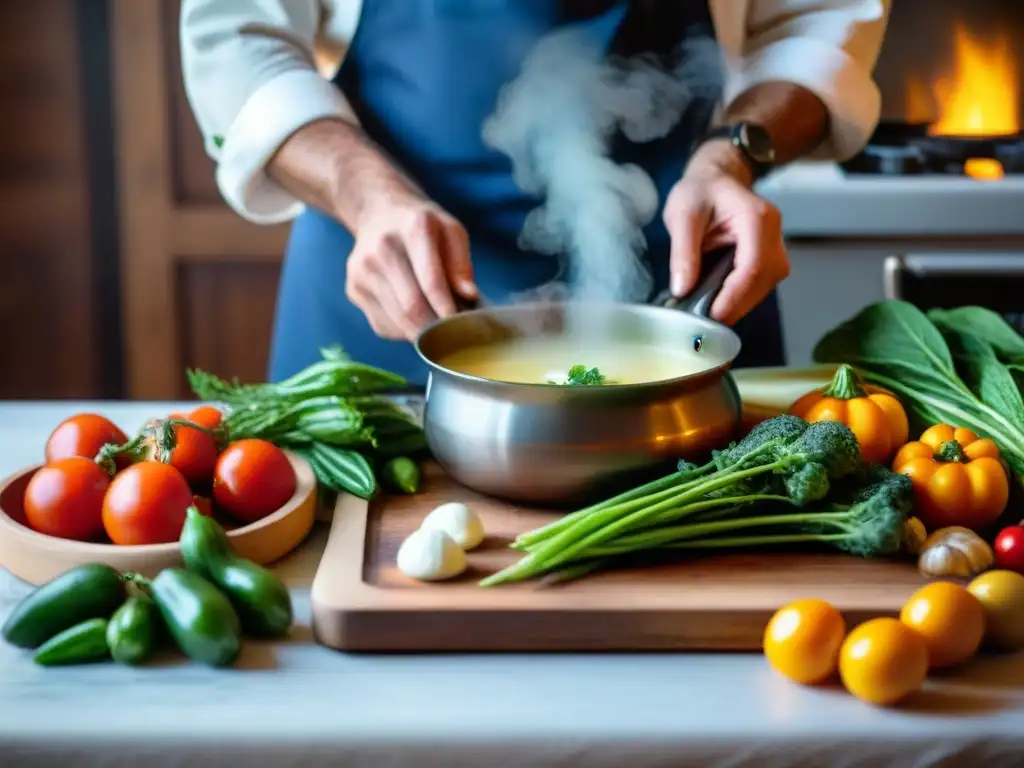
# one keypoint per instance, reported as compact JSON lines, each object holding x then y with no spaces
{"x":253,"y":478}
{"x":82,"y":435}
{"x":65,"y":499}
{"x":203,"y":504}
{"x":206,"y":416}
{"x":194,"y":453}
{"x":1009,"y":549}
{"x":146,"y":504}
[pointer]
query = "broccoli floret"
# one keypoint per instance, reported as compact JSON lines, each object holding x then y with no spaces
{"x":828,"y":443}
{"x":872,"y":527}
{"x":763,"y":438}
{"x":808,"y":484}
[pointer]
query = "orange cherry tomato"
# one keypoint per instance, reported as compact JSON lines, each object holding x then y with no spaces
{"x":146,"y":504}
{"x":65,"y":499}
{"x":883,"y":661}
{"x":876,"y":418}
{"x":949,"y":618}
{"x":253,"y":478}
{"x":958,"y":478}
{"x":802,"y":641}
{"x":206,"y":416}
{"x":82,"y":435}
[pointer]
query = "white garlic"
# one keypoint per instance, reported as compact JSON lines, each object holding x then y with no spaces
{"x":459,"y":522}
{"x":430,"y":555}
{"x":955,"y":551}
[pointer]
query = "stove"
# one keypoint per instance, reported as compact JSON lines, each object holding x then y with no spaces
{"x":906,"y":149}
{"x":909,"y":185}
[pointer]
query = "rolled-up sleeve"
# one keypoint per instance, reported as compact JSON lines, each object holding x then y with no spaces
{"x":251,"y":80}
{"x":829,"y":47}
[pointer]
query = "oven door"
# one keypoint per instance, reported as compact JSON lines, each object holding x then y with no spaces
{"x":948,"y":280}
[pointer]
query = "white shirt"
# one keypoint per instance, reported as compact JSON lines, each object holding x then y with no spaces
{"x":251,"y":75}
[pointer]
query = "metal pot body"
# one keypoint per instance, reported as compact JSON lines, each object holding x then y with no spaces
{"x":561,"y":446}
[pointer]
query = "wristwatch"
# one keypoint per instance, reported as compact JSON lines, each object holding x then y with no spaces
{"x":753,"y":142}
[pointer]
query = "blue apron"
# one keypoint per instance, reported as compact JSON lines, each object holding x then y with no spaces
{"x":423,"y":76}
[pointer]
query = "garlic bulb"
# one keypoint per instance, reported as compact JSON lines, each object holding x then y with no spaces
{"x":430,"y":555}
{"x":459,"y":522}
{"x":955,"y":551}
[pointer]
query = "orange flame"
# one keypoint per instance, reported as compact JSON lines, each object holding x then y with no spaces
{"x":980,"y":97}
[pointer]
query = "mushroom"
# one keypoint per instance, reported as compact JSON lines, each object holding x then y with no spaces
{"x":430,"y":555}
{"x":459,"y":522}
{"x":955,"y":551}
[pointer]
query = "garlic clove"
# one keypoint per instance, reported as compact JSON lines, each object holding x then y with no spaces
{"x":955,"y":551}
{"x":430,"y":555}
{"x":459,"y":522}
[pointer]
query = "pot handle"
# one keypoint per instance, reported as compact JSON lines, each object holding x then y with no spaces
{"x":699,"y":302}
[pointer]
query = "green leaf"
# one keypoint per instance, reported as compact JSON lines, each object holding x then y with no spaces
{"x":581,"y":376}
{"x":985,"y":324}
{"x":218,"y":142}
{"x":987,"y":377}
{"x":887,"y":333}
{"x":894,"y":345}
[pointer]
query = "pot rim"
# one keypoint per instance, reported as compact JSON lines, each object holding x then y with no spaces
{"x":713,"y":372}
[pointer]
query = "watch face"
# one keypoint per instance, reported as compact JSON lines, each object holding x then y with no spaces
{"x":758,"y":143}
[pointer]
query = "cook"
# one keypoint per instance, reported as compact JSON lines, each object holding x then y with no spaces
{"x":400,"y":208}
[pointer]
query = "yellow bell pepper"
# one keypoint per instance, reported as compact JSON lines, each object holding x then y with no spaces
{"x":958,"y":478}
{"x":876,"y":417}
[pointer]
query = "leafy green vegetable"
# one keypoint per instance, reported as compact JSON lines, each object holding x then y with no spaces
{"x":328,"y":413}
{"x":784,"y":463}
{"x":953,"y":370}
{"x":581,"y":376}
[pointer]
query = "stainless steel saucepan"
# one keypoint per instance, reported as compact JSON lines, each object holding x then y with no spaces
{"x":542,"y":444}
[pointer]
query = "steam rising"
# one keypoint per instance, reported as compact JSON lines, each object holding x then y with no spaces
{"x":556,"y":122}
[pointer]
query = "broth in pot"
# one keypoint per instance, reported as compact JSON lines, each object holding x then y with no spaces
{"x":549,"y":360}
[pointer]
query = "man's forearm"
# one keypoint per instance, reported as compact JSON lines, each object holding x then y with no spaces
{"x":795,"y":118}
{"x":332,"y":165}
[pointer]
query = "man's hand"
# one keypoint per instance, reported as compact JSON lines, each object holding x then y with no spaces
{"x":409,"y":254}
{"x":408,"y":257}
{"x":713,"y":206}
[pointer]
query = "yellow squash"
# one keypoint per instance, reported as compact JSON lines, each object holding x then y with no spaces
{"x":876,"y":417}
{"x":958,"y":477}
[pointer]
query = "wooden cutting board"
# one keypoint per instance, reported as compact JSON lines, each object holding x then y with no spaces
{"x":361,"y":602}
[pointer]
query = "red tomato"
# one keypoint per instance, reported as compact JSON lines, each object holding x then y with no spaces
{"x":1009,"y":549}
{"x":253,"y":478}
{"x":206,"y":416}
{"x":82,"y":435}
{"x":65,"y":499}
{"x":146,"y":504}
{"x":203,"y":504}
{"x":194,"y":454}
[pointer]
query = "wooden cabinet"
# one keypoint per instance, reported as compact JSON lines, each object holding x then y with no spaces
{"x":54,"y":335}
{"x":198,"y":283}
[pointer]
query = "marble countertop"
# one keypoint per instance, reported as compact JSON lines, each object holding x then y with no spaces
{"x":299,"y":704}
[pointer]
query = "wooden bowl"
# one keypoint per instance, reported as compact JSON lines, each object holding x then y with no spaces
{"x":37,"y":558}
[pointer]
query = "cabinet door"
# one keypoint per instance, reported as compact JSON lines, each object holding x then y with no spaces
{"x":52,"y":286}
{"x":198,"y":283}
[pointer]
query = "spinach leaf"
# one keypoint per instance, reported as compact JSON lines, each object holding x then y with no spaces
{"x":894,"y":345}
{"x":984,"y":324}
{"x":987,"y":377}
